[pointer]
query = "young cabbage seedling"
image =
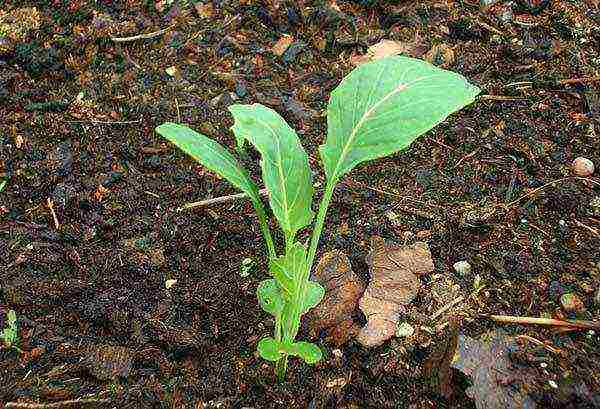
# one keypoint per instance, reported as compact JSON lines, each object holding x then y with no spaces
{"x":379,"y":109}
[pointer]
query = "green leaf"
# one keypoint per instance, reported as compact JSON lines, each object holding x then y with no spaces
{"x":11,"y":318}
{"x":284,"y":164}
{"x":381,"y":107}
{"x":270,"y":297}
{"x":210,"y":154}
{"x":314,"y":294}
{"x":218,"y":159}
{"x":308,"y":351}
{"x":288,"y":268}
{"x":268,"y":348}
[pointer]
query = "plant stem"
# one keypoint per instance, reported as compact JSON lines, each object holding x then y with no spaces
{"x":316,"y":234}
{"x":264,"y":228}
{"x":281,"y":368}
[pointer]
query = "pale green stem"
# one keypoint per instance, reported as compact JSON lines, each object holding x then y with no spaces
{"x":281,"y":368}
{"x":303,"y":280}
{"x":264,"y":228}
{"x":316,"y":234}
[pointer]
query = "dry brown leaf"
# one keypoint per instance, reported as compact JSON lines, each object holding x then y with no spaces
{"x":204,"y":10}
{"x":440,"y":55}
{"x":394,"y":283}
{"x":342,"y":291}
{"x":497,"y":382}
{"x":385,"y":48}
{"x":107,"y":362}
{"x":437,"y":366}
{"x":282,"y":45}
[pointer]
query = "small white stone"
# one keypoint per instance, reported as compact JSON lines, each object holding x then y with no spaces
{"x":583,"y":166}
{"x":462,"y":267}
{"x":337,"y":353}
{"x":170,"y":283}
{"x":404,"y":330}
{"x":553,"y":384}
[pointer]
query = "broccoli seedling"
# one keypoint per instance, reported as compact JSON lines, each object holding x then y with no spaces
{"x":379,"y":109}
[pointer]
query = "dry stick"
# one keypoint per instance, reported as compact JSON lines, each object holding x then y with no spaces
{"x":540,"y":343}
{"x":141,"y":36}
{"x":92,"y":121}
{"x":50,"y":205}
{"x":534,"y":191}
{"x":574,"y":324}
{"x":465,"y":158}
{"x":222,"y":199}
{"x":500,"y":98}
{"x":447,"y":307}
{"x":78,"y":402}
{"x":579,"y":80}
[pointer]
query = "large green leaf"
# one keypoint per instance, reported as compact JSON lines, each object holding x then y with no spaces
{"x":383,"y":106}
{"x":211,"y":155}
{"x":285,"y":169}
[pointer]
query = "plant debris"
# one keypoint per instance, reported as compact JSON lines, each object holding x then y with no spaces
{"x":343,"y":289}
{"x":395,"y":272}
{"x":497,"y":382}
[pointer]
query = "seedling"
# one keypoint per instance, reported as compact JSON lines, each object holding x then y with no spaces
{"x":379,"y":109}
{"x":10,"y":334}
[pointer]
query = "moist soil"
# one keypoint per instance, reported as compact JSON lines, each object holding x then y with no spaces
{"x":90,"y":232}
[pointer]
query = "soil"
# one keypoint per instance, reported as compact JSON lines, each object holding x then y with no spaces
{"x":90,"y":232}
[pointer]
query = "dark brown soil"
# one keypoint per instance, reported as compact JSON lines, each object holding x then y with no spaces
{"x":77,"y":113}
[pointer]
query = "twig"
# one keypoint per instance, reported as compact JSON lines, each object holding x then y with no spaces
{"x":539,"y":189}
{"x":92,"y":121}
{"x":221,"y":199}
{"x":571,"y":324}
{"x":490,"y":28}
{"x":579,"y":80}
{"x":50,"y":205}
{"x":77,"y":402}
{"x":500,"y":98}
{"x":447,"y":307}
{"x":465,"y":157}
{"x":540,"y":343}
{"x":590,"y":229}
{"x":141,"y":36}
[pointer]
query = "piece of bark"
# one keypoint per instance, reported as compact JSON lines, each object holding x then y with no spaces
{"x":343,"y":289}
{"x":394,"y":283}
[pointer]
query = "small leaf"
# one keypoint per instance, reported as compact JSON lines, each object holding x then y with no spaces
{"x":314,"y":295}
{"x":268,"y":348}
{"x":284,"y":164}
{"x":383,"y":106}
{"x":288,"y":268}
{"x":270,"y":297}
{"x":308,"y":351}
{"x":211,"y":155}
{"x":11,"y":317}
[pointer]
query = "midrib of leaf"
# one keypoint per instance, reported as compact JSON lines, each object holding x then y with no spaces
{"x":365,"y":116}
{"x":228,"y":161}
{"x":279,"y":166}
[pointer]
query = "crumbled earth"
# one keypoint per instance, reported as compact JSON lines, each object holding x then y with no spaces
{"x":90,"y":232}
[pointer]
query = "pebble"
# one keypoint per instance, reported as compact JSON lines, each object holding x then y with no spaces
{"x":572,"y":303}
{"x":462,"y":267}
{"x":583,"y":166}
{"x":404,"y":330}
